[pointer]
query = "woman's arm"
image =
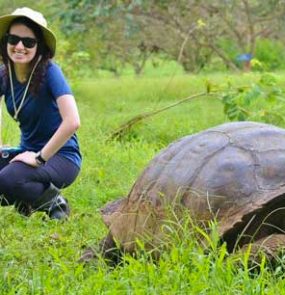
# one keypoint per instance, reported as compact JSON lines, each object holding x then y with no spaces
{"x":70,"y":123}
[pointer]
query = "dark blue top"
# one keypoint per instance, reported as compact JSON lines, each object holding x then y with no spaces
{"x":39,"y":117}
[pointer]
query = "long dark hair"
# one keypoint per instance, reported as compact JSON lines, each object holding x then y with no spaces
{"x":42,"y":50}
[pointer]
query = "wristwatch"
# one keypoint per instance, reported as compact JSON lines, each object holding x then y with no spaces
{"x":39,"y":159}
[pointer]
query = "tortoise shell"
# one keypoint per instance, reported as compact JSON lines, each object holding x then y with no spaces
{"x":232,"y":172}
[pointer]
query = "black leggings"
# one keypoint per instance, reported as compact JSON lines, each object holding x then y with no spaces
{"x":21,"y":182}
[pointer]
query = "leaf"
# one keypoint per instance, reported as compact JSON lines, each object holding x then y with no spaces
{"x":200,"y":23}
{"x":233,"y":113}
{"x":242,"y":116}
{"x":252,"y":94}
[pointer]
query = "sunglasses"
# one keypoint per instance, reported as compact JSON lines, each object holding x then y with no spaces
{"x":27,"y":41}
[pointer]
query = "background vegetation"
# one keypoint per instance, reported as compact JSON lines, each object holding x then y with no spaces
{"x":116,"y":36}
{"x":124,"y":58}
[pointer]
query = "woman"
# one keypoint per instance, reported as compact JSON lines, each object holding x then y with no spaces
{"x":38,"y":97}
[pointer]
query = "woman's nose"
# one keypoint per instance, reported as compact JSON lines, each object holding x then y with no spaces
{"x":19,"y":45}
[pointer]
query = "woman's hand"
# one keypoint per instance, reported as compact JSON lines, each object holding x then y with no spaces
{"x":26,"y":157}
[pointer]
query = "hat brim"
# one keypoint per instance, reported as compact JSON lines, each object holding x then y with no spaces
{"x":48,"y":35}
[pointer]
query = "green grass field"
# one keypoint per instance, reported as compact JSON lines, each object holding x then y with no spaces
{"x":39,"y":256}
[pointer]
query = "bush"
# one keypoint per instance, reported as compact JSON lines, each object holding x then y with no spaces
{"x":271,"y":53}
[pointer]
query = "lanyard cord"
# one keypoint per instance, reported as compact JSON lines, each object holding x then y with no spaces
{"x":17,"y":110}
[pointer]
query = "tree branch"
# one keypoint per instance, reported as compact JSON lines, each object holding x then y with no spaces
{"x":119,"y":132}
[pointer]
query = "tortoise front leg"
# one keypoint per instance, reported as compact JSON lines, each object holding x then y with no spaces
{"x":271,"y":246}
{"x":110,"y":251}
{"x":107,"y":248}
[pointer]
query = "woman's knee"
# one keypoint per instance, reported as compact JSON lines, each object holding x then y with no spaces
{"x":13,"y":175}
{"x":6,"y":184}
{"x":11,"y":181}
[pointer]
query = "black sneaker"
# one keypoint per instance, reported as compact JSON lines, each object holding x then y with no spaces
{"x":59,"y":208}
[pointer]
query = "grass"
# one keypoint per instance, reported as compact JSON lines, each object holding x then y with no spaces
{"x":39,"y":256}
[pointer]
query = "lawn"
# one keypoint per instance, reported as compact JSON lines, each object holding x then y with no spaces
{"x":40,"y":256}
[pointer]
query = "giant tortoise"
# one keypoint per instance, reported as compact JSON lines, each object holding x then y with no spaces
{"x":233,"y":173}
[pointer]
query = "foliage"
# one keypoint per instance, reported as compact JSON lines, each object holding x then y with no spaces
{"x":131,"y":32}
{"x":261,"y":101}
{"x":199,"y":35}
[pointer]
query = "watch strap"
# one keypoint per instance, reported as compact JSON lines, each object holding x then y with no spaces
{"x":40,"y":160}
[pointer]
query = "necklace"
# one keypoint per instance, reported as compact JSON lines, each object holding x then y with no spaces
{"x":18,"y":109}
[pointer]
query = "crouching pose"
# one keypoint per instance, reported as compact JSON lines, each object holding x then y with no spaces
{"x":38,"y":97}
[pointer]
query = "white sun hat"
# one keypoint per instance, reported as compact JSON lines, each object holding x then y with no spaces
{"x":34,"y":16}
